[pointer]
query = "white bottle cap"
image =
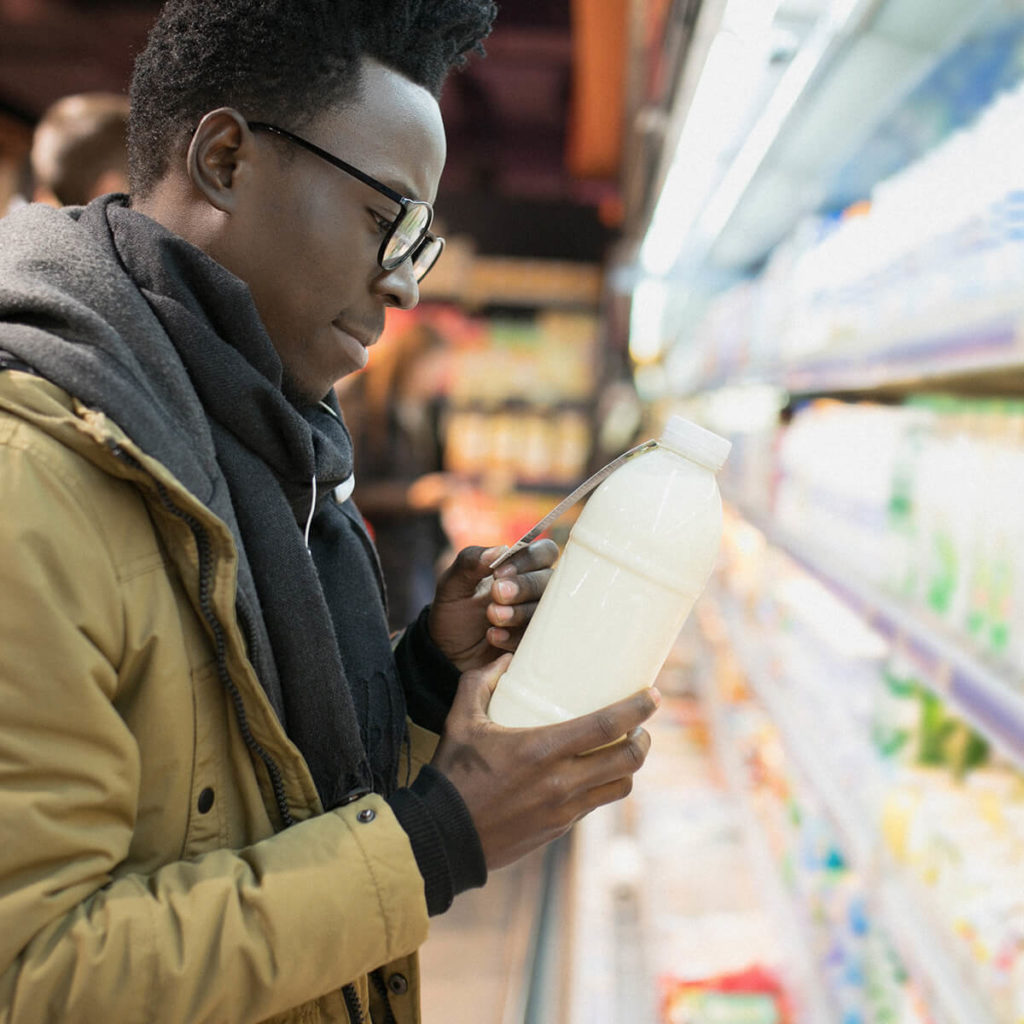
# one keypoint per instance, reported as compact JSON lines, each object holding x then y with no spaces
{"x":695,"y":443}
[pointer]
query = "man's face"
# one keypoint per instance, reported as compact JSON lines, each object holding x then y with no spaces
{"x":307,"y":237}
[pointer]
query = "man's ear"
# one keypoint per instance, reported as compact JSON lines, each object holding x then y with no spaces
{"x":215,"y":154}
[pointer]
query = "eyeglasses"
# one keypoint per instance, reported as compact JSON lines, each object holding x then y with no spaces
{"x":408,"y":237}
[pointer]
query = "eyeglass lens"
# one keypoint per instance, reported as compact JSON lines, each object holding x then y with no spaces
{"x":406,"y":234}
{"x":426,"y":256}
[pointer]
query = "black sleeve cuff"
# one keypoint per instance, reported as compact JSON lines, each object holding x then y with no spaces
{"x":428,"y":677}
{"x":443,"y":837}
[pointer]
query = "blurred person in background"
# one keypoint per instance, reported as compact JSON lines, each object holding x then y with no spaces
{"x":394,"y":411}
{"x":80,"y":149}
{"x":15,"y":176}
{"x":227,"y":794}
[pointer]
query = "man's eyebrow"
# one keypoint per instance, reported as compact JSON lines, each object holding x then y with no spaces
{"x":403,"y":188}
{"x":394,"y":181}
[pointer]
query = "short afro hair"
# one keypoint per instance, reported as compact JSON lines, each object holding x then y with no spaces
{"x":282,"y":61}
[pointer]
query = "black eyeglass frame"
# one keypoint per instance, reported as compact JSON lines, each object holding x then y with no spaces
{"x":405,"y":203}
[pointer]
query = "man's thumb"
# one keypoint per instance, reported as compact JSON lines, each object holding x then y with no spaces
{"x":471,"y":568}
{"x":477,"y":686}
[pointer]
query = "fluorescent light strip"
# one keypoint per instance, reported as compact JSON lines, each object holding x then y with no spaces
{"x":684,"y":216}
{"x":790,"y":88}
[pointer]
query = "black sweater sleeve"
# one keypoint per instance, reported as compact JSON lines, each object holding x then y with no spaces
{"x":428,"y":677}
{"x":444,"y":840}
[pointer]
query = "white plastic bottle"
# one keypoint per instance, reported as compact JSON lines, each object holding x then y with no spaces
{"x":635,"y":562}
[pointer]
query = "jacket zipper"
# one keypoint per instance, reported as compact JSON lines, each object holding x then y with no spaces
{"x":352,"y":1004}
{"x":349,"y":993}
{"x":382,"y":990}
{"x":216,"y":628}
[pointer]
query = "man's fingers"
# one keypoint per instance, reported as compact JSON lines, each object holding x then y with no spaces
{"x":527,"y":586}
{"x":621,"y":758}
{"x":608,"y":793}
{"x":609,"y":772}
{"x":523,"y":579}
{"x":485,"y":556}
{"x":606,"y":725}
{"x":510,"y":616}
{"x":541,"y":554}
{"x":469,"y":575}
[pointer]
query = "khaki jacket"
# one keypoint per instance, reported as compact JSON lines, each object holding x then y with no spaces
{"x":143,"y":875}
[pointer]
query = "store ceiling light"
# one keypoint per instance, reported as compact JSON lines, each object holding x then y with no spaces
{"x":882,"y":54}
{"x":735,"y":62}
{"x":790,"y":88}
{"x":708,"y":176}
{"x":853,"y":61}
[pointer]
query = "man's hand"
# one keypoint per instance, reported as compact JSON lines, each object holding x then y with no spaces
{"x":525,"y":787}
{"x":476,"y":615}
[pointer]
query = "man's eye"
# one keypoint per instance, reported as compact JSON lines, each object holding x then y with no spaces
{"x":382,"y":222}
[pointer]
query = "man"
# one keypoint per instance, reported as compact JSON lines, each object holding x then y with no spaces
{"x":213,"y":794}
{"x":79,"y":149}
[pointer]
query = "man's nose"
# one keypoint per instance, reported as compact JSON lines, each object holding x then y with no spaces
{"x":399,"y":285}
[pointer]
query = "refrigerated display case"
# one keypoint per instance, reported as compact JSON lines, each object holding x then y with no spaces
{"x":863,"y":638}
{"x":872,"y":586}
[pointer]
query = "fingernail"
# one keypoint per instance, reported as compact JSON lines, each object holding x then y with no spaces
{"x":503,"y":613}
{"x":490,"y":554}
{"x":507,"y":589}
{"x":656,"y":696}
{"x":505,"y":570}
{"x":498,"y":636}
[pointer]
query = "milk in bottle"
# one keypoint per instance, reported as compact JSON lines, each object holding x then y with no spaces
{"x":635,"y":562}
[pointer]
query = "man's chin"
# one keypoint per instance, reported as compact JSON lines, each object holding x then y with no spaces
{"x":309,"y":391}
{"x":350,"y":352}
{"x":302,"y":393}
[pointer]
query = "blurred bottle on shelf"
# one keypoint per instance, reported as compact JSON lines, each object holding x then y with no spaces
{"x":923,"y":500}
{"x":924,"y":269}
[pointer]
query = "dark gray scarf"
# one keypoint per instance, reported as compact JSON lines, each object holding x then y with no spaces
{"x":314,"y":619}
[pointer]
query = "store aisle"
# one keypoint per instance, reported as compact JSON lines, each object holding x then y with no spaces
{"x":656,"y":900}
{"x":665,"y":898}
{"x":476,"y":960}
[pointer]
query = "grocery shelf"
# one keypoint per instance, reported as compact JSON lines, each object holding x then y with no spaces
{"x":988,"y":695}
{"x":813,"y":1004}
{"x":803,"y":740}
{"x":925,"y":956}
{"x":895,"y":895}
{"x":986,"y":352}
{"x":545,"y":488}
{"x":526,"y":404}
{"x":983,"y":358}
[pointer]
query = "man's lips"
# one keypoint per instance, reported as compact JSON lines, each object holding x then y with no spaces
{"x":365,"y":338}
